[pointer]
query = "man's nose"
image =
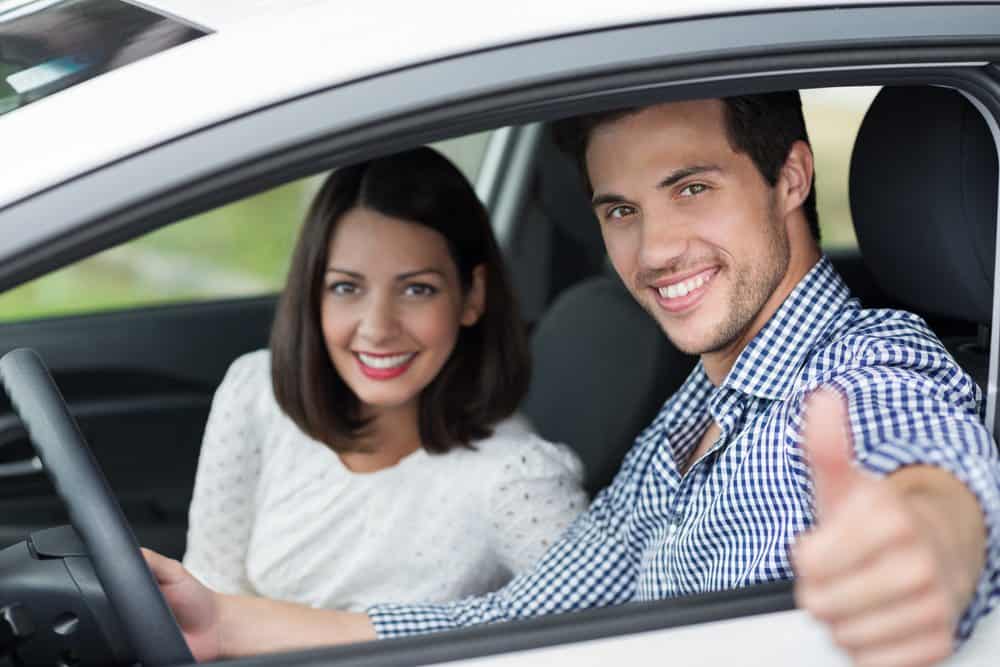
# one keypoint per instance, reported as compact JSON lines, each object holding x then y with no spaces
{"x":662,"y":240}
{"x":379,"y":321}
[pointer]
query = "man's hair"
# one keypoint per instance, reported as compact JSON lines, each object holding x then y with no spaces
{"x":763,"y":126}
{"x":486,"y":375}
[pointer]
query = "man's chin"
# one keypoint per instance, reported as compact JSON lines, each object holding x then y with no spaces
{"x":693,"y":345}
{"x":696,"y":343}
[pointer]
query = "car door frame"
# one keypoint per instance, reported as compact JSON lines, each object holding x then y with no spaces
{"x":949,"y":45}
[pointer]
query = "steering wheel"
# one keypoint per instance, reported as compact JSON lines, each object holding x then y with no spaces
{"x":148,"y":623}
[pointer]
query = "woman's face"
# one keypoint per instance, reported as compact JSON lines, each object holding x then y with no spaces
{"x":392,"y":306}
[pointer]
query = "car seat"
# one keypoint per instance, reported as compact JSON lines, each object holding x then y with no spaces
{"x":602,"y":370}
{"x":923,"y":191}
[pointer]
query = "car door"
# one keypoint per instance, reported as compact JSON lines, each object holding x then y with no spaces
{"x":542,"y":80}
{"x":140,"y":386}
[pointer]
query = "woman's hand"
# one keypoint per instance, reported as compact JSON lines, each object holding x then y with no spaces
{"x":195,"y":606}
{"x":217,"y":626}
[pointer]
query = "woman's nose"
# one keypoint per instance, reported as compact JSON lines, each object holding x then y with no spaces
{"x":378,"y":321}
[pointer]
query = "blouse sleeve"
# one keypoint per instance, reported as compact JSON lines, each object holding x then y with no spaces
{"x":222,"y":506}
{"x":536,"y":494}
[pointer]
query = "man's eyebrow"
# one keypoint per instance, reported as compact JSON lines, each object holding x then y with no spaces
{"x":609,"y":198}
{"x":684,"y":172}
{"x":674,"y":177}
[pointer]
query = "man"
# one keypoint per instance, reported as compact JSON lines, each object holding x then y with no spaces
{"x":708,"y":215}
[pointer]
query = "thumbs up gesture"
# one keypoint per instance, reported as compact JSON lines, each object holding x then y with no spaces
{"x":892,"y":562}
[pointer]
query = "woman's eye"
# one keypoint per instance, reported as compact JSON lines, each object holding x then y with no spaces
{"x":343,"y":288}
{"x":420,"y":289}
{"x":693,"y":189}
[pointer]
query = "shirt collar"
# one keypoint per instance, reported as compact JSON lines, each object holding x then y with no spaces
{"x":767,"y":366}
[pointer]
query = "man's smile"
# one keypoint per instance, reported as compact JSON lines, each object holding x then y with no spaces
{"x":679,"y":293}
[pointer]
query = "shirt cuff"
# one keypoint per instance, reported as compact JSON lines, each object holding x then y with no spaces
{"x":403,"y":620}
{"x":981,"y":474}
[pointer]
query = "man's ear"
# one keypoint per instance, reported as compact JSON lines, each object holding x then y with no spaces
{"x":475,"y":298}
{"x":796,"y":177}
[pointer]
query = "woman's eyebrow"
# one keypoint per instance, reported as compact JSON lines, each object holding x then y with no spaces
{"x":353,"y":274}
{"x":411,"y":274}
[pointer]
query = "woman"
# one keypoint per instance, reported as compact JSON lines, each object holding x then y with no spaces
{"x":371,"y":454}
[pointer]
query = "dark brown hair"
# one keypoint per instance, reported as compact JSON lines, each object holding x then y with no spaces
{"x":763,"y":126}
{"x":487,"y":373}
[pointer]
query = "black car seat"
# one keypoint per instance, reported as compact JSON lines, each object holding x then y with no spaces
{"x":602,"y":369}
{"x":923,"y":191}
{"x":601,"y":365}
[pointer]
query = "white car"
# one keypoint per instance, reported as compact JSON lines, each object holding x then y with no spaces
{"x":121,"y":118}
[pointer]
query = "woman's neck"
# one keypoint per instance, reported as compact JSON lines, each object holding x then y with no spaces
{"x":394,"y":434}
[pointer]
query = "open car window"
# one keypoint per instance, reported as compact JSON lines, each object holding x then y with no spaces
{"x":238,"y":250}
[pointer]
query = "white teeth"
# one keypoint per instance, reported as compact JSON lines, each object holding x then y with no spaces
{"x":683,"y":289}
{"x":385,"y":362}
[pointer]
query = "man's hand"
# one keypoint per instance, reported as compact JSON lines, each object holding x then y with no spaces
{"x":892,"y":562}
{"x":195,"y":607}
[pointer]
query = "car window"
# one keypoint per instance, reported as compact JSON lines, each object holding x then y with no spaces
{"x":49,"y":46}
{"x":833,"y":116}
{"x":240,"y":249}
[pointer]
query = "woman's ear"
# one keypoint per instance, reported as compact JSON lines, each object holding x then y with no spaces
{"x":475,"y":297}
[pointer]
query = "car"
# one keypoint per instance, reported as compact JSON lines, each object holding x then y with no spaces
{"x":158,"y":156}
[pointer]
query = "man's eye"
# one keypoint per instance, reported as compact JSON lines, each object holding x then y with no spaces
{"x":693,"y":189}
{"x":343,"y":288}
{"x":420,"y":289}
{"x":619,"y":212}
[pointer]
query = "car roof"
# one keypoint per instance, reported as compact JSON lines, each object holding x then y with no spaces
{"x":261,"y":52}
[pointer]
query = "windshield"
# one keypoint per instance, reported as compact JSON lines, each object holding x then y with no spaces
{"x":49,"y":45}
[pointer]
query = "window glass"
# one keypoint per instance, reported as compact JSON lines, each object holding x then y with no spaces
{"x":48,"y":45}
{"x":833,"y":116}
{"x":237,"y":250}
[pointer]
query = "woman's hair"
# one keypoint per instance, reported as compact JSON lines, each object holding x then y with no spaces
{"x":487,"y":373}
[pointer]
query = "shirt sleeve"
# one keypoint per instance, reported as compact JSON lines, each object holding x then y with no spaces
{"x":592,"y":564}
{"x":913,"y":405}
{"x":536,"y":494}
{"x":222,"y":506}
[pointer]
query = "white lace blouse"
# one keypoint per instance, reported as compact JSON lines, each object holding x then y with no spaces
{"x":277,"y":514}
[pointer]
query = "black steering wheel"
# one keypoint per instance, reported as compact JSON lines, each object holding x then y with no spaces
{"x":148,"y":623}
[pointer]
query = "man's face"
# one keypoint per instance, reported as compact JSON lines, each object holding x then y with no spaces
{"x":690,"y":225}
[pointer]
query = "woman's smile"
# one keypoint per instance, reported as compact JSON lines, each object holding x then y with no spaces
{"x":380,"y":366}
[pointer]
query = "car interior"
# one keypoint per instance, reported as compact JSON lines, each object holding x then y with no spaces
{"x":924,"y":208}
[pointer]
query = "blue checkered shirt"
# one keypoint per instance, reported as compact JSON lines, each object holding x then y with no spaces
{"x":730,"y":519}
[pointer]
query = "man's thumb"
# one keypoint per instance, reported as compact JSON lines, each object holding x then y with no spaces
{"x":827,"y":445}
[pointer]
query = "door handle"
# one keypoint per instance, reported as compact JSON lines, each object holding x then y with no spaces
{"x":23,"y":468}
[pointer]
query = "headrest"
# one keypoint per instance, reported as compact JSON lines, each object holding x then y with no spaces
{"x":564,"y":197}
{"x":923,"y":190}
